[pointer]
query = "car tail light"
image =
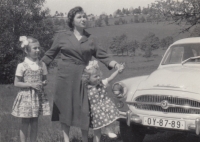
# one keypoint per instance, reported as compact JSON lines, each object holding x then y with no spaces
{"x":119,"y":90}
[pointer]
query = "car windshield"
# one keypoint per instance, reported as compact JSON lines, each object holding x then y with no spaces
{"x":178,"y":54}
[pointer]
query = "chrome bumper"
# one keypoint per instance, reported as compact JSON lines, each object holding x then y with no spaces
{"x":133,"y":118}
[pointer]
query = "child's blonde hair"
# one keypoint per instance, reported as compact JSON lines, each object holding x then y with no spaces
{"x":92,"y":68}
{"x":25,"y":42}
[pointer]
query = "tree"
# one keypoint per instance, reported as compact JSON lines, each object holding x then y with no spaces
{"x":149,"y":43}
{"x":145,"y":11}
{"x":17,"y":19}
{"x":62,"y":23}
{"x":132,"y":46}
{"x":122,"y":21}
{"x":57,"y":21}
{"x":119,"y":44}
{"x":56,"y":13}
{"x":137,"y":10}
{"x":165,"y":42}
{"x":131,"y":20}
{"x":124,"y":11}
{"x":136,"y":19}
{"x":119,"y":12}
{"x":61,"y":14}
{"x":195,"y":32}
{"x":127,"y":12}
{"x":98,"y":22}
{"x":168,"y":40}
{"x":148,"y":18}
{"x":179,"y":11}
{"x":142,"y":19}
{"x":116,"y":22}
{"x":106,"y":20}
{"x":131,"y":10}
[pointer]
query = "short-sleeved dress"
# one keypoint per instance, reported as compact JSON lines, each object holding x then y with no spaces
{"x":30,"y":102}
{"x":70,"y":102}
{"x":103,"y":110}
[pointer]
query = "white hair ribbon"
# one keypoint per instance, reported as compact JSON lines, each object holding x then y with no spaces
{"x":24,"y":41}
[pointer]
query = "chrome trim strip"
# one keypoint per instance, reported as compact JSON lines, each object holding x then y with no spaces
{"x":159,"y":104}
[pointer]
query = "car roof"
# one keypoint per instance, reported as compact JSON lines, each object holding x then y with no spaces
{"x":191,"y":40}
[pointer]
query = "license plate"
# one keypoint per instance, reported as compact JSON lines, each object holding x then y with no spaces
{"x":162,"y":122}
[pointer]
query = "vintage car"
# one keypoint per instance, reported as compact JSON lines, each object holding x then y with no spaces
{"x":167,"y":99}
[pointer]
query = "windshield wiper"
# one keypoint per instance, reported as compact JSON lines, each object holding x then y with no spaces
{"x":183,"y":62}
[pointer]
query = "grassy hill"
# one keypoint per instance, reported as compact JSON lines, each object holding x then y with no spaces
{"x":138,"y":31}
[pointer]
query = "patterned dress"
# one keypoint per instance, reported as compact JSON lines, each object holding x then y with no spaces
{"x":102,"y":110}
{"x":30,"y":102}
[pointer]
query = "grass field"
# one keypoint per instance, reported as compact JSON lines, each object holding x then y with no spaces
{"x":135,"y":66}
{"x":137,"y":31}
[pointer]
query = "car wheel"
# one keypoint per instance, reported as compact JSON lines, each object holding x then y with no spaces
{"x":131,"y":133}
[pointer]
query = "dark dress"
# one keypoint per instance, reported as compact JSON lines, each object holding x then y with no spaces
{"x":70,"y":103}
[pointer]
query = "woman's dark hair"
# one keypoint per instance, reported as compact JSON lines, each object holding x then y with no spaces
{"x":71,"y":15}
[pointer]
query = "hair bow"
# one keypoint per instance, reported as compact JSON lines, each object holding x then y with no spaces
{"x":24,"y":41}
{"x":92,"y":64}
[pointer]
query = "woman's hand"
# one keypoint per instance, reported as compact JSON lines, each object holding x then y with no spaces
{"x":44,"y":83}
{"x":120,"y":67}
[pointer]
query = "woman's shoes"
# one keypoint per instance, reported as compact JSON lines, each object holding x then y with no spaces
{"x":112,"y":135}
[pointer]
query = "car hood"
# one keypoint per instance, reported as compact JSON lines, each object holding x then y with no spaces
{"x":184,"y":78}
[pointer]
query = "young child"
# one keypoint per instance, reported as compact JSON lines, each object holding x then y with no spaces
{"x":102,"y":110}
{"x":31,"y":101}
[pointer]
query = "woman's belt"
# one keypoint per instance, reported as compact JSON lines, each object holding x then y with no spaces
{"x":75,"y":62}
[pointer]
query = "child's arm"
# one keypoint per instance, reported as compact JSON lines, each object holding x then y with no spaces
{"x":45,"y":72}
{"x":113,"y":75}
{"x":19,"y":83}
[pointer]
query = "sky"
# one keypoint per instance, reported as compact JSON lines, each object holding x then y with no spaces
{"x":95,"y":7}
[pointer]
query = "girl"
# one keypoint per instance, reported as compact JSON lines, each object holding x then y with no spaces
{"x":103,"y":110}
{"x":31,"y":101}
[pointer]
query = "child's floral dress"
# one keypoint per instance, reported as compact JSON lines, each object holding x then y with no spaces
{"x":30,"y":102}
{"x":102,"y":110}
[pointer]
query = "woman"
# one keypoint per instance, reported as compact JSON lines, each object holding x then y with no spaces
{"x":77,"y":47}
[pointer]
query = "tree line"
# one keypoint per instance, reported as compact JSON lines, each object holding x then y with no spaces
{"x":120,"y":45}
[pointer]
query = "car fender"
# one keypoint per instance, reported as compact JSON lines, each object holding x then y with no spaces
{"x":131,"y":86}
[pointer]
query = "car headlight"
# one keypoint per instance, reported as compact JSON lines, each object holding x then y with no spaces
{"x":119,"y":90}
{"x":119,"y":104}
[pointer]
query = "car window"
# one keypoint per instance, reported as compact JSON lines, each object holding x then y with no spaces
{"x":178,"y":53}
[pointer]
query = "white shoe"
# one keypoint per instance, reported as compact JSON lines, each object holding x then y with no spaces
{"x":112,"y":135}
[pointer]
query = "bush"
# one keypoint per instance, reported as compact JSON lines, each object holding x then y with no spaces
{"x":142,"y":19}
{"x":131,"y":20}
{"x":195,"y":32}
{"x":136,"y":19}
{"x":116,"y":22}
{"x":98,"y":22}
